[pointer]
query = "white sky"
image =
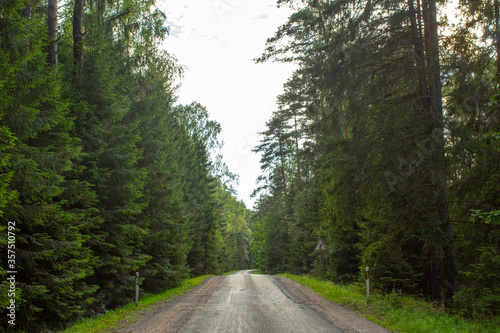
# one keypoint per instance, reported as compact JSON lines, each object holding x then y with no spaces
{"x":216,"y":40}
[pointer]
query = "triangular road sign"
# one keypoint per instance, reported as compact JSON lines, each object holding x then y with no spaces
{"x":320,"y":246}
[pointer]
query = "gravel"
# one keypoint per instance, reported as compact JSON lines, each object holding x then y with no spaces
{"x":243,"y":302}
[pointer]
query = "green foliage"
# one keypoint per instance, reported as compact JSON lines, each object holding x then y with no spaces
{"x":344,"y":255}
{"x":301,"y":239}
{"x":361,"y":154}
{"x":51,"y":260}
{"x":478,"y":216}
{"x":481,"y":296}
{"x":395,"y":312}
{"x":103,"y":176}
{"x":271,"y":235}
{"x":235,"y":232}
{"x":166,"y":239}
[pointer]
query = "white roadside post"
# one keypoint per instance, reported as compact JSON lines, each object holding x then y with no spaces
{"x":367,"y":285}
{"x":136,"y":288}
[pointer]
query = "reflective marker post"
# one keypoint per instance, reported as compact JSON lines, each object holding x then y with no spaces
{"x":136,"y":288}
{"x":320,"y":265}
{"x":367,"y":285}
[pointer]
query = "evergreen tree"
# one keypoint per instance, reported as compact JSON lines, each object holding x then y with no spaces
{"x":235,"y":232}
{"x":166,"y":237}
{"x":199,"y":188}
{"x":102,"y":175}
{"x":369,"y":85}
{"x":51,"y":259}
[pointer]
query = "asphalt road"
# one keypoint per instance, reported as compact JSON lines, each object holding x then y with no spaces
{"x":243,"y":302}
{"x":254,"y":303}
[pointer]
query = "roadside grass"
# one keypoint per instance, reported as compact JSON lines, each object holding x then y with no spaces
{"x":394,"y":312}
{"x":239,"y":270}
{"x":231,"y":272}
{"x":106,"y":321}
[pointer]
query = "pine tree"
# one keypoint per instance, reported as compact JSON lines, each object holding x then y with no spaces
{"x":371,"y":88}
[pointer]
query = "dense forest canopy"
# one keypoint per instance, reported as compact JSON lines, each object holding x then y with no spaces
{"x":101,"y":171}
{"x":385,"y":145}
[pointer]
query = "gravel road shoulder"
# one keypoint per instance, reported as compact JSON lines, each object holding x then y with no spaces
{"x":170,"y":316}
{"x":348,"y":321}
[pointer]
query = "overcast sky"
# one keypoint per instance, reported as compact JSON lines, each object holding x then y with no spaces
{"x":216,"y":40}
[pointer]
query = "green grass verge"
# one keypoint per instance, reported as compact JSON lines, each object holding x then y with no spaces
{"x":231,"y":272}
{"x":394,"y":312}
{"x":106,"y":321}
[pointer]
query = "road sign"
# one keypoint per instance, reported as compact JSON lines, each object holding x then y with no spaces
{"x":320,"y":246}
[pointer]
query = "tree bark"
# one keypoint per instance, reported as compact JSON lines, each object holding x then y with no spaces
{"x":52,"y":23}
{"x":419,"y":52}
{"x":299,"y":182}
{"x":344,"y":120}
{"x":283,"y":176}
{"x":497,"y":40}
{"x":27,"y":10}
{"x":27,"y":14}
{"x":450,"y":278}
{"x":78,"y":32}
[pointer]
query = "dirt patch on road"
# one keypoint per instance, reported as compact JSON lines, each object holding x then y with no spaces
{"x":345,"y":319}
{"x":170,"y":316}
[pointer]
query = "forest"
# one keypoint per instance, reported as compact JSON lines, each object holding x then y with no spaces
{"x":102,"y":173}
{"x":385,"y":145}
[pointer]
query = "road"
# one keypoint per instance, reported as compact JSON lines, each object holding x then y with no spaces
{"x":243,"y":302}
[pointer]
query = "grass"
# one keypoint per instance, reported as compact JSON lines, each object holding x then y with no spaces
{"x":394,"y":312}
{"x":108,"y":320}
{"x":231,"y":272}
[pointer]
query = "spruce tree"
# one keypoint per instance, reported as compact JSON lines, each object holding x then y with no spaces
{"x":166,"y":237}
{"x":51,"y":260}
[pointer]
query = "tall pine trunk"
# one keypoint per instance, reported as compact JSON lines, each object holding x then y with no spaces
{"x":283,"y":176}
{"x":52,"y":23}
{"x":419,"y":50}
{"x":497,"y":40}
{"x":27,"y":14}
{"x":78,"y":32}
{"x":27,"y":10}
{"x":450,"y":278}
{"x":299,"y":182}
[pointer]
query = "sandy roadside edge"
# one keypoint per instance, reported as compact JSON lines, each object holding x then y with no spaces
{"x":171,"y":314}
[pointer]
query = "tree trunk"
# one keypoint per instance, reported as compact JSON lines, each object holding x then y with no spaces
{"x":283,"y":177}
{"x":297,"y":151}
{"x":77,"y":32}
{"x":27,"y":10}
{"x":27,"y":14}
{"x":419,"y":52}
{"x":344,"y":121}
{"x":497,"y":40}
{"x":52,"y":22}
{"x":450,"y":278}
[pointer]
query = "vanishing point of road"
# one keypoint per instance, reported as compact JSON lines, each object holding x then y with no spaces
{"x":243,"y":302}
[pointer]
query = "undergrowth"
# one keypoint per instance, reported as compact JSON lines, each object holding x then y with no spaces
{"x":395,"y":312}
